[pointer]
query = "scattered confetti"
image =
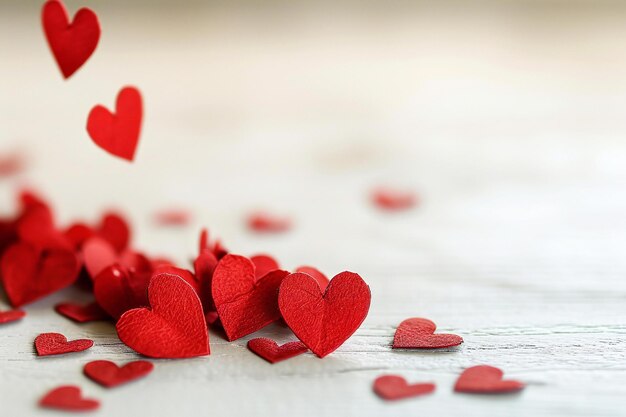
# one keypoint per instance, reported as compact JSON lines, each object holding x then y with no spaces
{"x":484,"y":379}
{"x":108,"y":374}
{"x":394,"y":200}
{"x":417,"y":333}
{"x":56,"y":344}
{"x":271,"y":352}
{"x":68,"y":398}
{"x":10,"y":316}
{"x":393,"y":387}
{"x":268,"y":223}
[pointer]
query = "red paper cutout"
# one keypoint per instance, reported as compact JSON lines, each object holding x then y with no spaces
{"x":393,"y":387}
{"x":324,"y":321}
{"x":215,"y":248}
{"x":68,"y":398}
{"x":174,"y":327}
{"x":268,"y":223}
{"x":118,"y":133}
{"x":484,"y":379}
{"x":98,"y":254}
{"x":318,"y":276}
{"x":118,"y":290}
{"x":263,"y":264}
{"x":244,"y":303}
{"x":82,"y":313}
{"x":417,"y":333}
{"x":394,"y":200}
{"x":186,"y":275}
{"x":115,"y":229}
{"x":71,"y":43}
{"x":204,"y":266}
{"x":10,"y":316}
{"x":108,"y":374}
{"x":172,"y":217}
{"x":56,"y":344}
{"x":271,"y":352}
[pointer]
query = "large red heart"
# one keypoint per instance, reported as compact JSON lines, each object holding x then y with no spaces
{"x":71,"y":43}
{"x":81,"y":313}
{"x":118,"y":290}
{"x":68,"y":397}
{"x":108,"y":374}
{"x":244,"y":303}
{"x":118,"y":133}
{"x":56,"y":344}
{"x":323,"y":322}
{"x":174,"y":327}
{"x":484,"y":379}
{"x":30,"y":273}
{"x":393,"y":387}
{"x":417,"y":333}
{"x":271,"y":352}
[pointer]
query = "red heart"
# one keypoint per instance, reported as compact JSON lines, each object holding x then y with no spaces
{"x":173,"y":328}
{"x":263,"y":264}
{"x":393,"y":387}
{"x":115,"y":229}
{"x":118,"y":290}
{"x":244,"y":303}
{"x":271,"y":352}
{"x":71,"y":43}
{"x":56,"y":344}
{"x":204,"y":266}
{"x":11,"y":315}
{"x":82,"y":313}
{"x":108,"y":374}
{"x":393,"y":199}
{"x":29,"y":273}
{"x":68,"y":397}
{"x":321,"y":279}
{"x":484,"y":379}
{"x":417,"y":333}
{"x":323,"y":322}
{"x":118,"y":133}
{"x":268,"y":223}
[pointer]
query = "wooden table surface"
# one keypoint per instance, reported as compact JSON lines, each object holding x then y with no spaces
{"x":509,"y":122}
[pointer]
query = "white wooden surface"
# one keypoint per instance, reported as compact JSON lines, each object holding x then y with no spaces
{"x":510,"y":121}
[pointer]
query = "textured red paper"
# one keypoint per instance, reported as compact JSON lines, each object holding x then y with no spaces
{"x":204,"y":266}
{"x":108,"y":374}
{"x":56,"y":344}
{"x":484,"y":379}
{"x":118,"y":133}
{"x":393,"y":387}
{"x":271,"y":352}
{"x":118,"y":290}
{"x":71,"y":43}
{"x":324,"y":321}
{"x":11,"y":316}
{"x":417,"y":333}
{"x":244,"y":303}
{"x":115,"y":229}
{"x":68,"y":398}
{"x":174,"y":327}
{"x":268,"y":223}
{"x":98,"y":254}
{"x":321,"y":279}
{"x":82,"y":313}
{"x":394,"y":200}
{"x":205,"y":245}
{"x":263,"y":264}
{"x":180,"y":272}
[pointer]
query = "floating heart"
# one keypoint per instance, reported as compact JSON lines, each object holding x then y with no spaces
{"x":393,"y":387}
{"x":393,"y":199}
{"x":172,"y":217}
{"x":108,"y":374}
{"x":118,"y":133}
{"x":324,"y":321}
{"x":11,"y":315}
{"x":174,"y":327}
{"x":82,"y":313}
{"x":417,"y":333}
{"x":321,"y":279}
{"x":56,"y":344}
{"x":271,"y":352}
{"x":484,"y":379}
{"x":244,"y":303}
{"x":68,"y":397}
{"x":118,"y":290}
{"x":268,"y":223}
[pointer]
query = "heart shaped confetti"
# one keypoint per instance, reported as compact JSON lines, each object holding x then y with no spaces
{"x":82,"y":313}
{"x":11,"y":316}
{"x":48,"y":344}
{"x":244,"y":302}
{"x":72,"y":43}
{"x":68,"y":398}
{"x":417,"y":333}
{"x":174,"y":327}
{"x":324,"y":321}
{"x":271,"y":352}
{"x":393,"y":199}
{"x":108,"y":374}
{"x":268,"y":223}
{"x":118,"y":133}
{"x":393,"y":387}
{"x":485,"y":379}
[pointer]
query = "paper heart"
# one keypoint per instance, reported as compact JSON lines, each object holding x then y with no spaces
{"x":271,"y":352}
{"x":244,"y":303}
{"x":115,"y":229}
{"x":321,"y":279}
{"x":174,"y":327}
{"x":99,"y":254}
{"x":118,"y":133}
{"x":268,"y":223}
{"x":172,"y":217}
{"x":82,"y":313}
{"x":56,"y":344}
{"x":484,"y":379}
{"x":393,"y":387}
{"x":263,"y":264}
{"x":108,"y":374}
{"x":205,"y":245}
{"x":417,"y":333}
{"x":118,"y":290}
{"x":29,"y":273}
{"x":204,"y":266}
{"x":68,"y":397}
{"x":394,"y":199}
{"x":324,"y":321}
{"x":71,"y":43}
{"x":11,"y":316}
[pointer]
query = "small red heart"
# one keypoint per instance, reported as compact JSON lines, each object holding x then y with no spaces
{"x":71,"y":43}
{"x":56,"y":344}
{"x":394,"y":199}
{"x":118,"y":290}
{"x":271,"y":352}
{"x":393,"y":387}
{"x":318,"y":276}
{"x":118,"y":133}
{"x":69,"y":398}
{"x":268,"y":223}
{"x":11,"y":315}
{"x":244,"y":303}
{"x":82,"y":313}
{"x":108,"y":374}
{"x":417,"y":333}
{"x":174,"y":327}
{"x":484,"y":379}
{"x":324,"y":321}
